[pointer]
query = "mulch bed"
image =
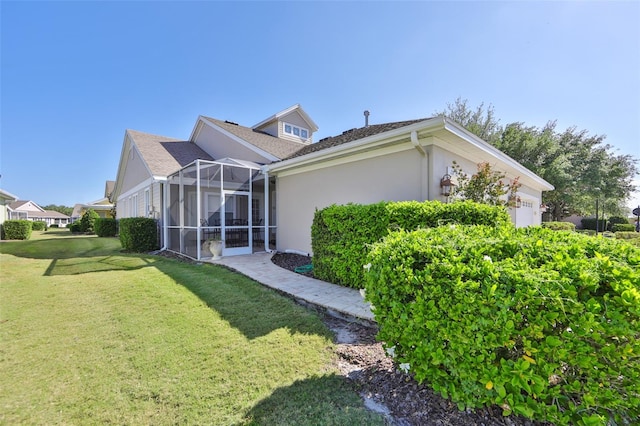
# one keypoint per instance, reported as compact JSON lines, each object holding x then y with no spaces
{"x":385,"y":388}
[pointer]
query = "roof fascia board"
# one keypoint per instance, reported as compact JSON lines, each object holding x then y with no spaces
{"x":7,"y":195}
{"x":463,"y":133}
{"x":369,"y":142}
{"x":241,"y":141}
{"x":276,"y":116}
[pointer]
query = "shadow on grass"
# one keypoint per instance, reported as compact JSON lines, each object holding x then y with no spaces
{"x":246,"y":305}
{"x":325,"y":400}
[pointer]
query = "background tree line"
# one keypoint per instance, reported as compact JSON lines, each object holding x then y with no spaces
{"x":581,"y":167}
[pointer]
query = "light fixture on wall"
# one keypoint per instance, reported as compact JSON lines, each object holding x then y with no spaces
{"x":446,"y":185}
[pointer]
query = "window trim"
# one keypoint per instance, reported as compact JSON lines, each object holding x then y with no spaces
{"x":295,"y":129}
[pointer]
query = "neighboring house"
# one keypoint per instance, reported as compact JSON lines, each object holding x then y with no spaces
{"x":28,"y":210}
{"x":103,"y":207}
{"x":258,"y":187}
{"x":6,"y":198}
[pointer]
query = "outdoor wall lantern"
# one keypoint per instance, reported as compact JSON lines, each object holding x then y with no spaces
{"x":446,"y":185}
{"x":543,"y":208}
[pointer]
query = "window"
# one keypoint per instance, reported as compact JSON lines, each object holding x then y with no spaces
{"x":299,"y":132}
{"x":134,"y":206}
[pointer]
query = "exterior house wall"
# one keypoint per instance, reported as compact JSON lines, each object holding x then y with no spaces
{"x":136,"y":172}
{"x":393,"y":177}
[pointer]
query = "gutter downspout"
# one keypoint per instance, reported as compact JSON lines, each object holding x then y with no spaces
{"x":425,"y":169}
{"x":265,"y":172}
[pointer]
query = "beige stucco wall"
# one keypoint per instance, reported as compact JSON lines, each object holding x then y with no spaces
{"x":393,"y":177}
{"x":398,"y":176}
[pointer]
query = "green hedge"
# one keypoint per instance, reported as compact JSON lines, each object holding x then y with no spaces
{"x":627,"y":235}
{"x":38,"y":225}
{"x":75,"y":227}
{"x":623,"y":227}
{"x":138,"y":234}
{"x":17,"y":229}
{"x":559,"y":226}
{"x":105,"y":227}
{"x":590,"y":223}
{"x":616,"y":220}
{"x":341,"y":234}
{"x":541,"y":323}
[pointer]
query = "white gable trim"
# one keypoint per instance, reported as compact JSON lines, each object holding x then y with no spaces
{"x":313,"y":127}
{"x":238,"y":139}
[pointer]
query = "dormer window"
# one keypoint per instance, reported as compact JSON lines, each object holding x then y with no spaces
{"x":296,"y":131}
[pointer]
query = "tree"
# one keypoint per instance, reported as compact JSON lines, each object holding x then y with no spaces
{"x":479,"y":121}
{"x":580,"y":166}
{"x":60,"y":209}
{"x":487,"y":186}
{"x":87,"y":221}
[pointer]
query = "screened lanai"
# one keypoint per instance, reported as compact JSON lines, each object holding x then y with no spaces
{"x":230,"y":200}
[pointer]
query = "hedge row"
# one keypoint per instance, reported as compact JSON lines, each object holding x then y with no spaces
{"x":341,"y":234}
{"x":559,"y":226}
{"x":105,"y":227}
{"x":138,"y":234}
{"x":541,"y":323}
{"x":38,"y":225}
{"x":16,"y":229}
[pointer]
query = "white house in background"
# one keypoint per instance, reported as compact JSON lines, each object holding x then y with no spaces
{"x":6,"y":198}
{"x":257,"y":188}
{"x":29,"y":210}
{"x":103,"y":206}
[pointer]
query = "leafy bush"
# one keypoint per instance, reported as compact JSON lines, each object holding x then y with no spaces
{"x":38,"y":225}
{"x":87,"y":221}
{"x":559,"y":226}
{"x":627,"y":235}
{"x":586,"y":231}
{"x":75,"y":227}
{"x":626,"y":227}
{"x":138,"y":234}
{"x":105,"y":227}
{"x":17,"y":229}
{"x":54,"y":225}
{"x":541,"y":323}
{"x":616,"y":220}
{"x":341,"y":234}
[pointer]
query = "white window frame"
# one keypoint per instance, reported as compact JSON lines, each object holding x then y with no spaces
{"x":295,"y":129}
{"x":134,"y":205}
{"x":147,"y":203}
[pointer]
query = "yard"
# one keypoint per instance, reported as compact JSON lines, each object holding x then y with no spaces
{"x":91,"y":335}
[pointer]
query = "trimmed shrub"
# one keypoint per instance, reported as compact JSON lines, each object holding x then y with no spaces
{"x":616,"y":220}
{"x":75,"y":227}
{"x":586,"y":231}
{"x":624,"y":227}
{"x":559,"y":226}
{"x":138,"y":234}
{"x":590,"y":223}
{"x":54,"y":225}
{"x":17,"y":229}
{"x":105,"y":227}
{"x":627,"y":235}
{"x":540,"y":323}
{"x":341,"y":234}
{"x":87,"y":221}
{"x":38,"y":225}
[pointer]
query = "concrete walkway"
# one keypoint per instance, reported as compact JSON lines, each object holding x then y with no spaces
{"x":336,"y":300}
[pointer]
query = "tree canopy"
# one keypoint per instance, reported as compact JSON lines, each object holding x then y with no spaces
{"x":60,"y":209}
{"x":581,"y":167}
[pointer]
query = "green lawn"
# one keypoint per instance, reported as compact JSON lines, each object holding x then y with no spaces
{"x":89,"y":335}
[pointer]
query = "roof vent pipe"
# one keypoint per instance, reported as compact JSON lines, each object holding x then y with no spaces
{"x":366,"y":118}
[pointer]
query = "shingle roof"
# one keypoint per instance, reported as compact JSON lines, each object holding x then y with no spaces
{"x":280,"y":148}
{"x":52,"y":214}
{"x":351,"y":135}
{"x":165,"y":155}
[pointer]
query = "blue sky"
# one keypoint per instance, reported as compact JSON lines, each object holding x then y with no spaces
{"x":75,"y":75}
